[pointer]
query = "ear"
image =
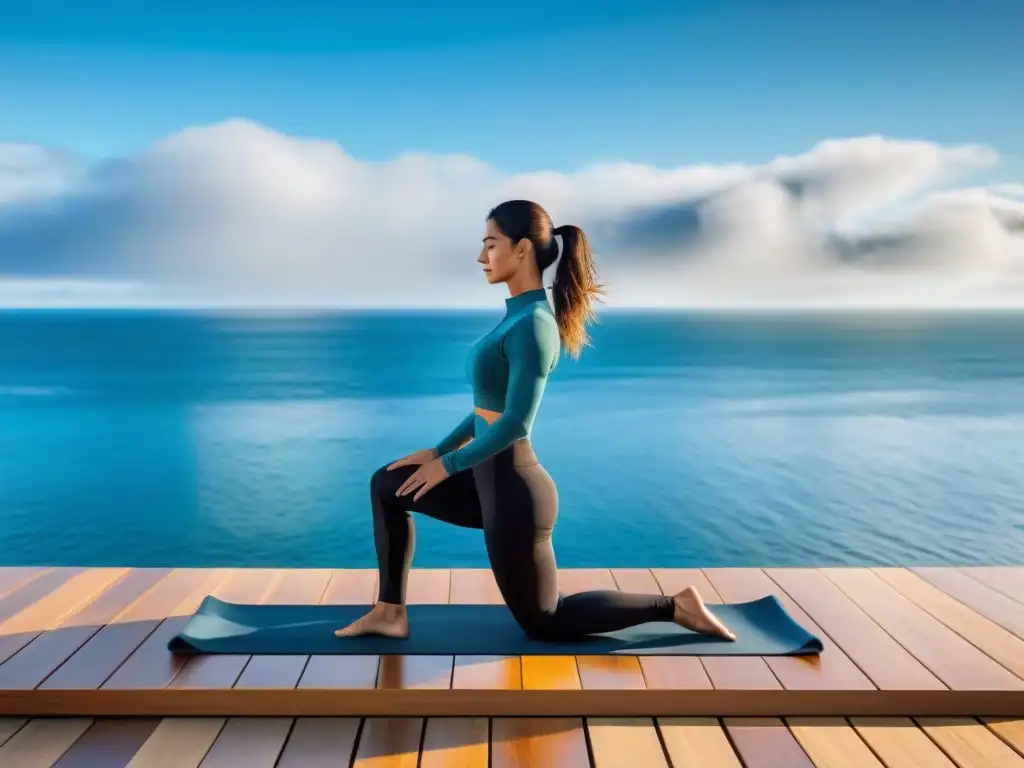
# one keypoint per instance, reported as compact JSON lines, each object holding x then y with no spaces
{"x":522,"y":248}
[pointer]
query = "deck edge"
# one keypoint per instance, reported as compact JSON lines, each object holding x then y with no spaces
{"x":507,"y":703}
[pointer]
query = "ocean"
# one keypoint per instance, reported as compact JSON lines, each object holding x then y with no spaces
{"x":679,"y":440}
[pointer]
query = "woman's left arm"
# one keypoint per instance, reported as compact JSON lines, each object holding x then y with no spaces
{"x":531,"y":347}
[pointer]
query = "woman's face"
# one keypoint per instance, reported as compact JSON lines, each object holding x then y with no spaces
{"x":499,"y":255}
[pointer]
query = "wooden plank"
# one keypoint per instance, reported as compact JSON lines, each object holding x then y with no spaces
{"x":1008,"y":580}
{"x":109,"y":743}
{"x":303,"y":586}
{"x":456,"y":742}
{"x":622,"y":742}
{"x":250,"y":585}
{"x":478,"y":587}
{"x":10,"y":726}
{"x":33,"y":590}
{"x":347,"y":587}
{"x":831,"y":670}
{"x":746,"y":673}
{"x":351,"y":586}
{"x":47,"y":651}
{"x":697,"y":741}
{"x":12,"y":578}
{"x":988,"y":602}
{"x":321,"y":742}
{"x":49,"y":611}
{"x":899,"y":742}
{"x":389,"y":742}
{"x":550,"y":673}
{"x":92,"y":664}
{"x":833,"y":742}
{"x":1010,"y":730}
{"x":766,"y":743}
{"x":527,"y":742}
{"x":151,"y":665}
{"x":997,"y":643}
{"x":426,"y":586}
{"x":889,"y":665}
{"x":254,"y":742}
{"x":178,"y":742}
{"x":474,"y":586}
{"x":609,"y":671}
{"x":952,"y":659}
{"x":40,"y":743}
{"x":662,"y":672}
{"x":969,"y":743}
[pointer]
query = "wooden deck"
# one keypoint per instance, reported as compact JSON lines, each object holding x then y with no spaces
{"x":929,"y":642}
{"x":513,"y":743}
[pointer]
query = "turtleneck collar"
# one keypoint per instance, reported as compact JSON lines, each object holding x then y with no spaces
{"x":517,"y":302}
{"x":514,"y":303}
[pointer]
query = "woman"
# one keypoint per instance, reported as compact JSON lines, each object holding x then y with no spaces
{"x":485,"y":473}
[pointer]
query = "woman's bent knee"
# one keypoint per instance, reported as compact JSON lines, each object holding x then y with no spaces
{"x":538,"y":625}
{"x":384,"y":483}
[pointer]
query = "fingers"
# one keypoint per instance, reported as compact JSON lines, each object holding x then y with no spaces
{"x":414,"y":480}
{"x":410,"y":482}
{"x":423,"y":489}
{"x":412,"y":458}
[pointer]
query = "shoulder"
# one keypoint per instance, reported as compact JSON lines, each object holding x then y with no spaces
{"x":535,"y":331}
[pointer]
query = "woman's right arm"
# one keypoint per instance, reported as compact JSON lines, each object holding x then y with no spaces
{"x":457,"y":437}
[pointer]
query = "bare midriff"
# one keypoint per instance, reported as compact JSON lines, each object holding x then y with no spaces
{"x":488,"y":416}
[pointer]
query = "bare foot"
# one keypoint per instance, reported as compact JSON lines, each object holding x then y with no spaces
{"x":383,"y":619}
{"x":691,"y":613}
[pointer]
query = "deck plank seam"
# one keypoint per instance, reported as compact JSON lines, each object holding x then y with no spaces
{"x":957,"y":630}
{"x":972,"y":574}
{"x":700,"y":660}
{"x":1018,"y":748}
{"x":821,"y":629}
{"x":857,"y":607}
{"x":718,"y":596}
{"x":214,"y":579}
{"x":914,"y":606}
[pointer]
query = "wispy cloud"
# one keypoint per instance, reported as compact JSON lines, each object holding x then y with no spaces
{"x":236,"y":213}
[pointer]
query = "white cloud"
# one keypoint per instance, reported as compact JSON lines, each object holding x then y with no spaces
{"x":235,"y":213}
{"x":29,"y":172}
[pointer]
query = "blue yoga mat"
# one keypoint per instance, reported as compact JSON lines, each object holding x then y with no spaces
{"x":762,"y":627}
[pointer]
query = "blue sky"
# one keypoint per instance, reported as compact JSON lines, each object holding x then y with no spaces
{"x":520,"y":85}
{"x":729,"y":152}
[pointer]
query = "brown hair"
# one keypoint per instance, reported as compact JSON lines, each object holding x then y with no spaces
{"x":575,"y":286}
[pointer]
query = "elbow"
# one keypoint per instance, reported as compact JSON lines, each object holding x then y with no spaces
{"x":518,"y":428}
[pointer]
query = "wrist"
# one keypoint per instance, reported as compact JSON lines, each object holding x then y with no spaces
{"x":448,"y":462}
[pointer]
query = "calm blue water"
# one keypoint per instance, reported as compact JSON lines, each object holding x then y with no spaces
{"x":681,"y":440}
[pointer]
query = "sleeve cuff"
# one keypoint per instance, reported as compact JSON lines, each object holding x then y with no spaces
{"x":449,"y":463}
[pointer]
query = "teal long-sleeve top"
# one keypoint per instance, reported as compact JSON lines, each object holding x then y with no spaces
{"x":508,"y":369}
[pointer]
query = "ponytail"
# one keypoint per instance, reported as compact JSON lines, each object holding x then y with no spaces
{"x":575,"y":288}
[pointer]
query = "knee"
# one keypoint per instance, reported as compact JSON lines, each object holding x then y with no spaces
{"x":538,"y":625}
{"x":384,"y":483}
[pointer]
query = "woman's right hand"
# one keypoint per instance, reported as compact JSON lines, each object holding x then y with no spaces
{"x":416,"y":458}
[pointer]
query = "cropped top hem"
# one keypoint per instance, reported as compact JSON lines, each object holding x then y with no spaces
{"x":489,"y":402}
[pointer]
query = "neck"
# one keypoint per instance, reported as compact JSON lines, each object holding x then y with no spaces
{"x":523,"y":284}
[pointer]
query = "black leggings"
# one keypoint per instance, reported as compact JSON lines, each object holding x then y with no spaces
{"x":514,"y":500}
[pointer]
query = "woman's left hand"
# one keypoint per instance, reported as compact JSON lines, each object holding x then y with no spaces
{"x":424,"y":478}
